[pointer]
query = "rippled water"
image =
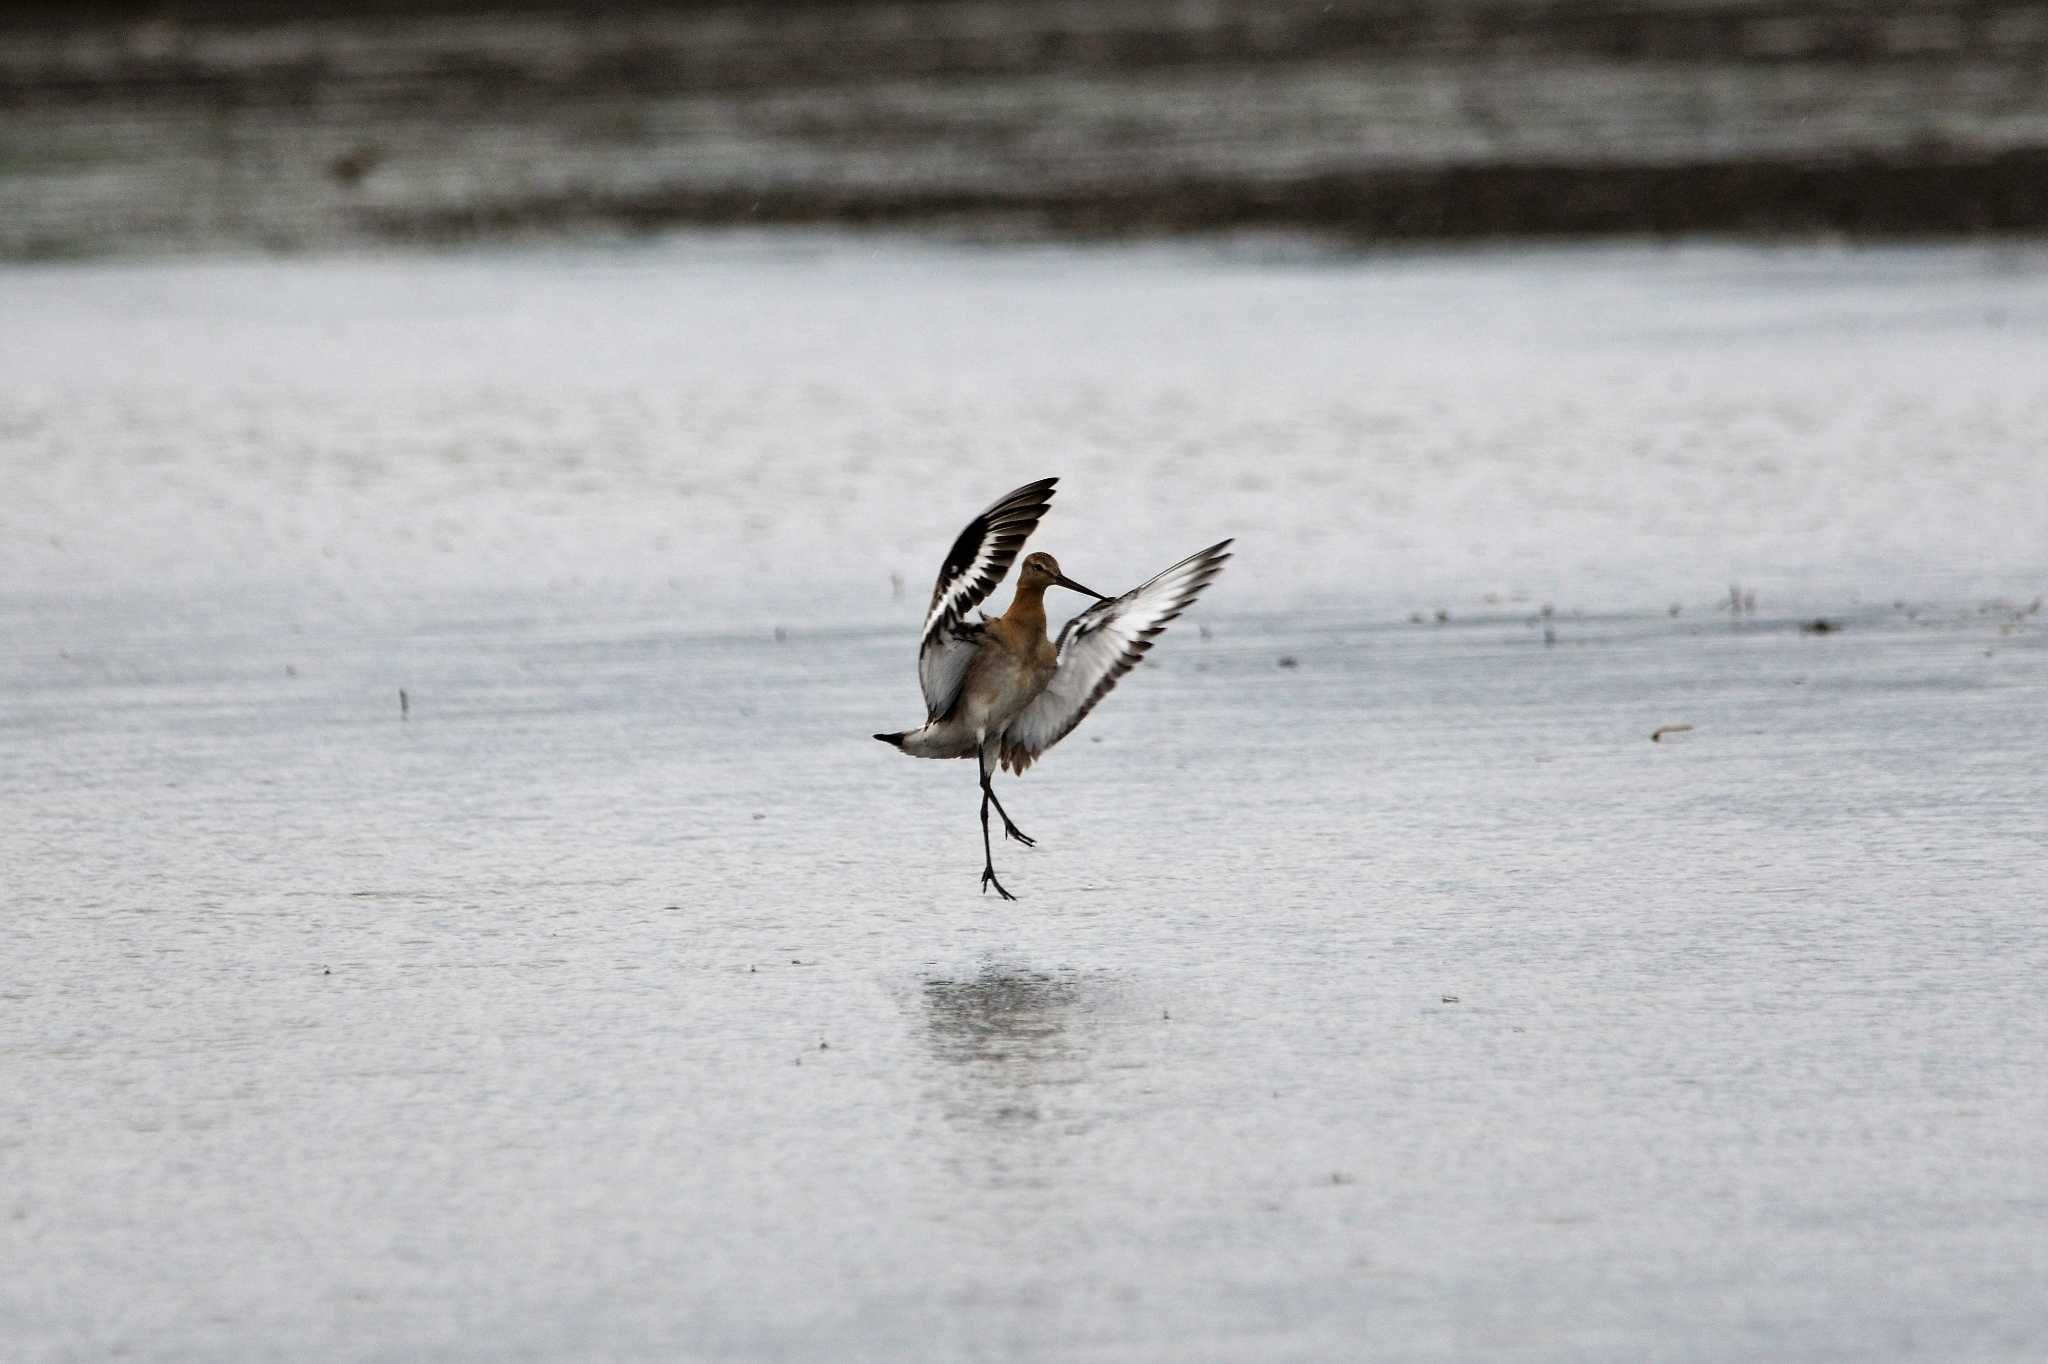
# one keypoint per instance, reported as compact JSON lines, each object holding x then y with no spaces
{"x":1378,"y":989}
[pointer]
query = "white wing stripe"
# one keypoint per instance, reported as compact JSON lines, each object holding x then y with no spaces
{"x":955,"y":598}
{"x":981,"y":556}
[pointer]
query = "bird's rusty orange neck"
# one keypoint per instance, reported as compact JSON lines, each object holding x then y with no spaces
{"x":1027,"y":609}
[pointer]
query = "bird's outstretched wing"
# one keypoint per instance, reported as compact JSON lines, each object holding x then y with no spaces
{"x":1099,"y":646}
{"x":979,"y":560}
{"x":942,"y":666}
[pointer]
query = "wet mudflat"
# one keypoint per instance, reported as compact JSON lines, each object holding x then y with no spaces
{"x":622,"y":999}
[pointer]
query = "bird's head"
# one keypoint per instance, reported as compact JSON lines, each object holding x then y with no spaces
{"x":1042,"y":571}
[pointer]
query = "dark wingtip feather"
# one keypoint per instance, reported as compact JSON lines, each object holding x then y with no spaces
{"x":1000,"y":530}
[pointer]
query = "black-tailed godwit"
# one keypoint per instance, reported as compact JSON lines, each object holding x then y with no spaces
{"x":998,"y":688}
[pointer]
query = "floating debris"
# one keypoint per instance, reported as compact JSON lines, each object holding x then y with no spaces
{"x":1657,"y":734}
{"x":1819,"y":625}
{"x":1450,"y":999}
{"x":404,"y":705}
{"x":1289,"y":661}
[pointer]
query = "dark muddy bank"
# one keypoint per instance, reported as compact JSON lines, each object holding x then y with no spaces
{"x":243,"y":126}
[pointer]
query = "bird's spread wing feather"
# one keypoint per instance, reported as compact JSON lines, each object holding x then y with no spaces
{"x":979,"y":560}
{"x":942,"y":666}
{"x":1099,"y":646}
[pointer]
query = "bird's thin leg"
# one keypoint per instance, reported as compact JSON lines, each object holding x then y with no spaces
{"x":988,"y":866}
{"x":1010,"y":829}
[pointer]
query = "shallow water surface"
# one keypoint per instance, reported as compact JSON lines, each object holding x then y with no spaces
{"x":1378,"y":989}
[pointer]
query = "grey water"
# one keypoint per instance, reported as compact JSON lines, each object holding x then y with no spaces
{"x":1378,"y":989}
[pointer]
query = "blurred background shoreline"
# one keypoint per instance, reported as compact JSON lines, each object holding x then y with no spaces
{"x":198,"y":128}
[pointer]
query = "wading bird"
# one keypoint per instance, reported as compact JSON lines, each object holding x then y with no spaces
{"x":997,"y":689}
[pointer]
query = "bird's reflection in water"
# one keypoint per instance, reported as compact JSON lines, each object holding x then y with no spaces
{"x":1008,"y":1038}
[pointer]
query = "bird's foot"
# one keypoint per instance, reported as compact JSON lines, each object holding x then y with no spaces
{"x":988,"y":878}
{"x":1012,"y":831}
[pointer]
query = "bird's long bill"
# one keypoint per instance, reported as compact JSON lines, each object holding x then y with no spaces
{"x":1064,"y":581}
